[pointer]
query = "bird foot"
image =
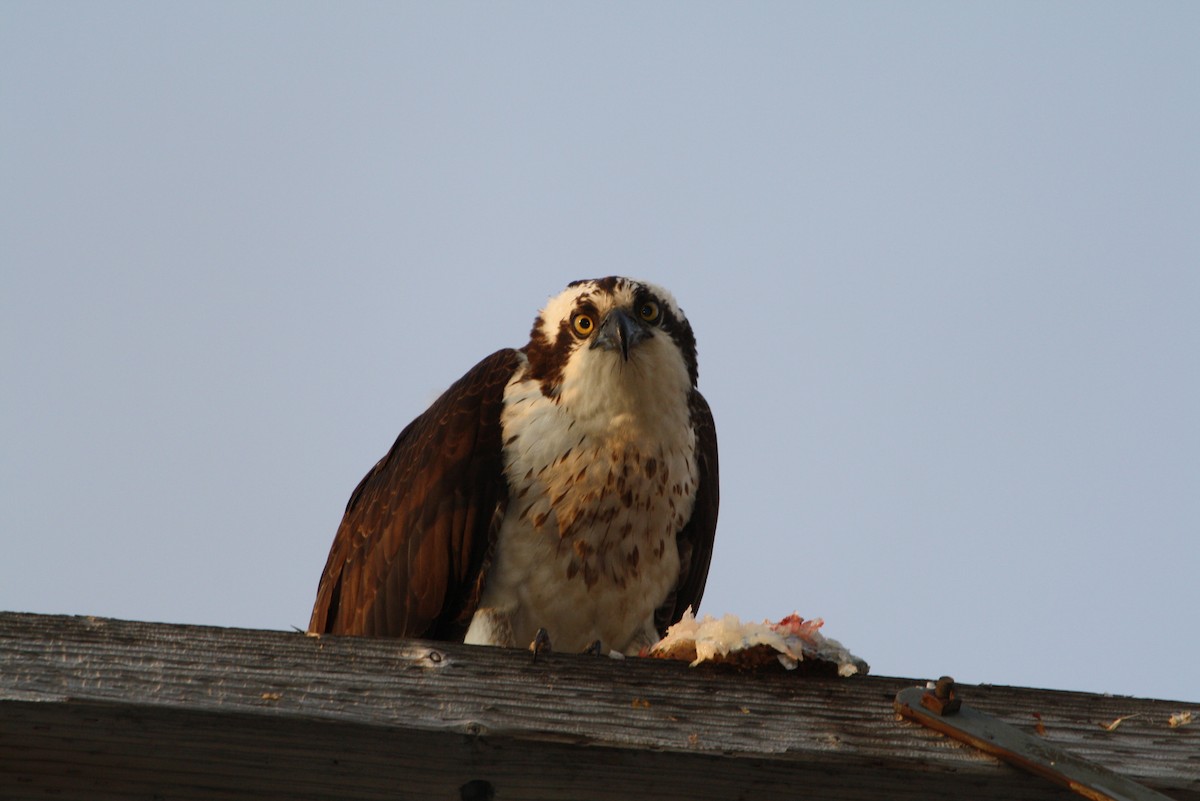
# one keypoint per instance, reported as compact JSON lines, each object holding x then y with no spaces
{"x":540,"y":644}
{"x":595,"y":649}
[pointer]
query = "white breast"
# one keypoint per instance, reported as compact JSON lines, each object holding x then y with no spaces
{"x":597,"y":492}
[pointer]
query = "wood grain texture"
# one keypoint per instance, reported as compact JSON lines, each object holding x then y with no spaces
{"x":95,"y":708}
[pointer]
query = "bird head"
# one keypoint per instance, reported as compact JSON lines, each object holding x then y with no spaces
{"x":612,"y":335}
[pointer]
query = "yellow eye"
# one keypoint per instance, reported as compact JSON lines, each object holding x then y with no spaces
{"x":583,"y":324}
{"x":648,"y":311}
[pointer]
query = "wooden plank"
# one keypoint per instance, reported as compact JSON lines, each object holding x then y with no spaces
{"x":115,"y":709}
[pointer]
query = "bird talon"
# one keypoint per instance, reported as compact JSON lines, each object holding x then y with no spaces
{"x":595,"y":649}
{"x":540,"y":644}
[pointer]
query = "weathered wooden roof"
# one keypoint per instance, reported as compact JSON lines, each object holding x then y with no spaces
{"x":106,"y":709}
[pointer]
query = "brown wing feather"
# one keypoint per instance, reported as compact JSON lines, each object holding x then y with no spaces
{"x":410,"y":555}
{"x":695,"y":540}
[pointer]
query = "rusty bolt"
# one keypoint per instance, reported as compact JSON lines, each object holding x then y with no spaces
{"x":943,"y":700}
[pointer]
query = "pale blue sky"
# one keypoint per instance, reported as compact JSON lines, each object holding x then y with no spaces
{"x":942,"y":259}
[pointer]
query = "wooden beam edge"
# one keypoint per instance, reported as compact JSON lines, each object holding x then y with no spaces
{"x":482,"y":694}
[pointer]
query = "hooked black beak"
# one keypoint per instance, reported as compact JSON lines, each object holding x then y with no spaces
{"x":619,"y":330}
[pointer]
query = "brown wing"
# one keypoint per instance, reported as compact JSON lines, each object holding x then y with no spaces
{"x":411,"y":553}
{"x":695,"y":540}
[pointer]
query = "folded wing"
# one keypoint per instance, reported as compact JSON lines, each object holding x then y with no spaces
{"x":410,"y":556}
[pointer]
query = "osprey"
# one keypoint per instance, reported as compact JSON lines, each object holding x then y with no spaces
{"x":569,"y":487}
